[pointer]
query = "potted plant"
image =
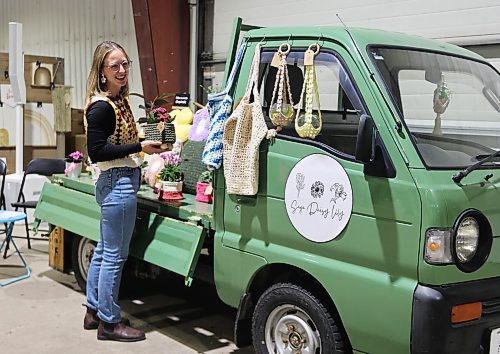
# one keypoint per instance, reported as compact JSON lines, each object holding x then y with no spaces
{"x":74,"y":162}
{"x":204,"y":187}
{"x":170,"y":178}
{"x":158,"y":123}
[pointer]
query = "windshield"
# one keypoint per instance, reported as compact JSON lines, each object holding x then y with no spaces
{"x":450,"y":105}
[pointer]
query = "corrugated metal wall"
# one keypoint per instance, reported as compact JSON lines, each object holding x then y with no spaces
{"x":457,"y":21}
{"x":461,"y":22}
{"x":71,"y":29}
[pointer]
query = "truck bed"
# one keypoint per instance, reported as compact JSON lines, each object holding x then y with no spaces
{"x":187,"y":209}
{"x":169,"y":234}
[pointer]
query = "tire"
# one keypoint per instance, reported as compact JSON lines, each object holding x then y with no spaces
{"x":82,"y":251}
{"x":289,"y":319}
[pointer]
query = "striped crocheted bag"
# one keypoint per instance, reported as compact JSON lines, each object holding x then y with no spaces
{"x":219,"y":107}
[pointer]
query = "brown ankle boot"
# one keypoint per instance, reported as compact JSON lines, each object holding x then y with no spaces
{"x":91,"y":321}
{"x":119,"y":332}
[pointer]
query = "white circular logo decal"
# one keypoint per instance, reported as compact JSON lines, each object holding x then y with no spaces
{"x":318,"y":198}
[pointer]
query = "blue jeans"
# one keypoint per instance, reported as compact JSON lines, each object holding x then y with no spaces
{"x":115,"y":192}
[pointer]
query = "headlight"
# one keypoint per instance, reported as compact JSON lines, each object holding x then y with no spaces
{"x":467,"y":239}
{"x":467,"y":244}
{"x":471,"y":240}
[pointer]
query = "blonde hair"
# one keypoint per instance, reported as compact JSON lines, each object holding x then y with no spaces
{"x":94,"y":85}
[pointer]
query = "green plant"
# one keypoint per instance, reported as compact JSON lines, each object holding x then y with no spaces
{"x":205,"y":177}
{"x":171,"y":174}
{"x":171,"y":171}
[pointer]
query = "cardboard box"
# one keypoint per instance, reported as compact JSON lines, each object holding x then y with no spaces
{"x":77,"y":121}
{"x":56,"y":249}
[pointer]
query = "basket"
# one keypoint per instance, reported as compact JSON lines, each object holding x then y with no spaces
{"x":201,"y":194}
{"x":166,"y":136}
{"x":191,"y":164}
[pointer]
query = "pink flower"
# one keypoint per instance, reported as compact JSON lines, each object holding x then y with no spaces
{"x":75,"y":156}
{"x":161,"y":114}
{"x":171,"y":159}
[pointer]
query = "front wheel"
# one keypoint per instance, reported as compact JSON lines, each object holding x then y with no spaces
{"x":289,"y":319}
{"x":82,"y":252}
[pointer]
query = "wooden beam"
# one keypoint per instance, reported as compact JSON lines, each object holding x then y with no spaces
{"x":145,"y":48}
{"x":162,"y":31}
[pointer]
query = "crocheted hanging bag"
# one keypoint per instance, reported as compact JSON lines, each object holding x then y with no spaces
{"x":244,"y":131}
{"x":219,"y":107}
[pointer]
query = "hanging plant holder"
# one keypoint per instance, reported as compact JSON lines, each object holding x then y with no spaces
{"x":281,"y":111}
{"x":307,"y":124}
{"x":441,"y":100}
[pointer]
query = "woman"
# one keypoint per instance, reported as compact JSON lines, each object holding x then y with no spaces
{"x":112,"y":142}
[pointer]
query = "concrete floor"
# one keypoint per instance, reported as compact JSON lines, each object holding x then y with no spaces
{"x":43,"y":314}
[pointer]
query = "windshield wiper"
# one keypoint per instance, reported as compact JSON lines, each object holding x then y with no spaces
{"x":457,"y":177}
{"x":483,"y":156}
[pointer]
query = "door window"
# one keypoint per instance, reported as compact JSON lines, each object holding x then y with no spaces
{"x":340,"y":103}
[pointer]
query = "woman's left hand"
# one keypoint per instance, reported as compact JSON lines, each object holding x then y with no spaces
{"x":154,"y":147}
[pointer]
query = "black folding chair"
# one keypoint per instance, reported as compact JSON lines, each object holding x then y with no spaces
{"x":44,"y":167}
{"x":3,"y":206}
{"x":3,"y":172}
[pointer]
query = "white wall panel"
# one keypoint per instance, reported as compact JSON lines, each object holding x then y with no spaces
{"x":71,"y":29}
{"x":458,"y":21}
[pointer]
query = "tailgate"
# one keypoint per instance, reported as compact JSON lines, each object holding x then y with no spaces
{"x":169,"y":243}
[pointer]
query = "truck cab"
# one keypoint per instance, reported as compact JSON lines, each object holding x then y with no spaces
{"x":380,"y":235}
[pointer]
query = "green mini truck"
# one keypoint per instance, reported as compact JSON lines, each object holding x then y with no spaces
{"x":379,"y":235}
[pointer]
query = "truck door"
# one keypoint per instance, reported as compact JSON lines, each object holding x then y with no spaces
{"x":360,"y":252}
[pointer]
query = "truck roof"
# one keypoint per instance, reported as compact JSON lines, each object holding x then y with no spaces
{"x":363,"y":37}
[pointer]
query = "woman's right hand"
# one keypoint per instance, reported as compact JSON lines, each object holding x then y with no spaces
{"x":154,"y":147}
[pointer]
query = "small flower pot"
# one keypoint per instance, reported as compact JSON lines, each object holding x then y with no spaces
{"x":201,"y":193}
{"x":164,"y":132}
{"x":170,"y":190}
{"x":73,"y":169}
{"x":169,"y":186}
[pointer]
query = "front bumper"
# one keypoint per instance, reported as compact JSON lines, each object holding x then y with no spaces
{"x":432,"y":330}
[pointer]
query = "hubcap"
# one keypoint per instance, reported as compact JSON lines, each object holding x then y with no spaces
{"x":290,"y":330}
{"x":86,"y":251}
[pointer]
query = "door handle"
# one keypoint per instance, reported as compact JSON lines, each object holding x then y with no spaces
{"x":246,"y":200}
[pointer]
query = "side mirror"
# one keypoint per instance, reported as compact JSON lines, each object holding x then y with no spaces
{"x":371,"y":150}
{"x":365,"y":140}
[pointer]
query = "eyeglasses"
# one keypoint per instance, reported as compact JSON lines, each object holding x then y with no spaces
{"x":116,"y":67}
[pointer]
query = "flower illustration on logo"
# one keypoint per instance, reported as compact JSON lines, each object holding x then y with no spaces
{"x":300,"y":183}
{"x":338,"y":190}
{"x":317,"y":189}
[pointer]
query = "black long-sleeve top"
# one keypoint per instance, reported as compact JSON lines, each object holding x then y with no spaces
{"x":101,"y":123}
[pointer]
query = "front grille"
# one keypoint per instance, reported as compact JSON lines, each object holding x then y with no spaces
{"x":491,"y":306}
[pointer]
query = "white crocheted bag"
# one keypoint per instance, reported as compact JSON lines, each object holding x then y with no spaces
{"x":244,"y":131}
